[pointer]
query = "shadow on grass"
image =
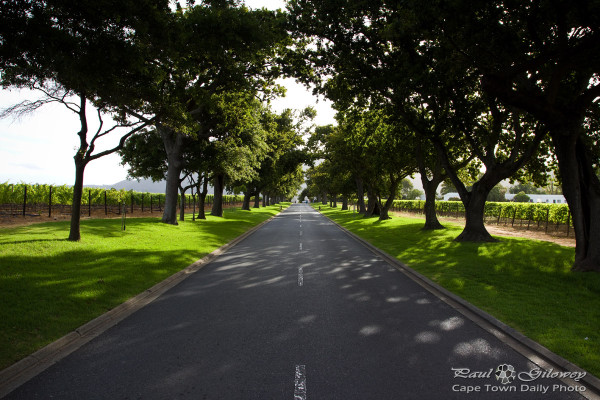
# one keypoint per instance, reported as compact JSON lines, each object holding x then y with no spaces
{"x":43,"y":298}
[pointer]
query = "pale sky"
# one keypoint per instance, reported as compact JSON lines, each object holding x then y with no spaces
{"x":39,"y":148}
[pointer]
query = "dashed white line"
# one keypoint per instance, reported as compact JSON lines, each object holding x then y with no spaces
{"x":300,"y":276}
{"x":300,"y":246}
{"x":300,"y":383}
{"x":300,"y":233}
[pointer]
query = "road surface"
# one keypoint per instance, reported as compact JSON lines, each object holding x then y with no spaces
{"x":298,"y":310}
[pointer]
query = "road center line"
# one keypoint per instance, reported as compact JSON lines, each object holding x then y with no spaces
{"x":300,"y":246}
{"x":300,"y":232}
{"x":300,"y":383}
{"x":300,"y":276}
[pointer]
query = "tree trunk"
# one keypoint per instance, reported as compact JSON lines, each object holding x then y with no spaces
{"x":182,"y":204}
{"x":372,"y":205}
{"x":80,"y":163}
{"x":173,"y":142}
{"x":171,"y":194}
{"x":474,"y":201}
{"x":581,"y":189}
{"x":202,"y":199}
{"x":246,"y":204}
{"x":219,"y":186}
{"x":385,"y":208}
{"x":474,"y":230}
{"x":430,"y":187}
{"x":74,"y":232}
{"x":324,"y":199}
{"x":360,"y":193}
{"x":344,"y":203}
{"x":257,"y":200}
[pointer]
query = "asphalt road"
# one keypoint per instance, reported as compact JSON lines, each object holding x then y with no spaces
{"x":298,"y":310}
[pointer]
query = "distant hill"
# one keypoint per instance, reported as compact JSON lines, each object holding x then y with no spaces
{"x":143,"y":185}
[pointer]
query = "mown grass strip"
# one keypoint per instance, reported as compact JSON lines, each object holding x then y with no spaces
{"x":526,"y":284}
{"x":50,"y":286}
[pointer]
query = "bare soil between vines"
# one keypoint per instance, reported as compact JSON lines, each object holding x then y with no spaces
{"x":509,"y":231}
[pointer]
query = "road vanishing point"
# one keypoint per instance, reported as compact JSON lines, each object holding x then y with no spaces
{"x":297,"y":310}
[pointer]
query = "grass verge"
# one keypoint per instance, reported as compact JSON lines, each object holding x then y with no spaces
{"x":526,"y":284}
{"x":50,"y":286}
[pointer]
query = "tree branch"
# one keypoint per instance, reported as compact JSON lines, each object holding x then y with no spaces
{"x":121,"y":141}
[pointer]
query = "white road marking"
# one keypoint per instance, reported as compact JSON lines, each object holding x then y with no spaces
{"x":300,"y":276}
{"x":300,"y":246}
{"x":300,"y":383}
{"x":300,"y":233}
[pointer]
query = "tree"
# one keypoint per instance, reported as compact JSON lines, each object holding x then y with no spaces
{"x":408,"y":191}
{"x":497,"y":194}
{"x":447,"y":187}
{"x":525,"y":188}
{"x":280,"y":171}
{"x":541,"y":57}
{"x":521,"y":197}
{"x":230,"y":150}
{"x":210,"y":49}
{"x":145,"y":155}
{"x":318,"y":180}
{"x":386,"y":152}
{"x":79,"y":54}
{"x":503,"y":141}
{"x":238,"y":143}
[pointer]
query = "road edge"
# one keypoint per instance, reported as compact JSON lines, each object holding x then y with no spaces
{"x":527,"y":347}
{"x":22,"y":371}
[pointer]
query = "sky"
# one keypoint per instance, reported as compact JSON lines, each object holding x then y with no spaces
{"x":39,"y":148}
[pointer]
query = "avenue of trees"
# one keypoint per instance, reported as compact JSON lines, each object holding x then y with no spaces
{"x":476,"y":93}
{"x":466,"y":93}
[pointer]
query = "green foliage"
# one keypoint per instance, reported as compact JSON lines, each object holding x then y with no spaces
{"x":521,"y":197}
{"x":414,"y":194}
{"x":280,"y":171}
{"x":85,"y":47}
{"x":525,"y":188}
{"x":497,"y":193}
{"x":408,"y":192}
{"x":447,"y":187}
{"x":556,"y":213}
{"x":63,"y":195}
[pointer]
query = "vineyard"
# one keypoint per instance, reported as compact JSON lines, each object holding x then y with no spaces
{"x":24,"y":199}
{"x":552,"y":218}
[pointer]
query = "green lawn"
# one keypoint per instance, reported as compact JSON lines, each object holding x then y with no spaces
{"x":527,"y":284}
{"x":50,"y":286}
